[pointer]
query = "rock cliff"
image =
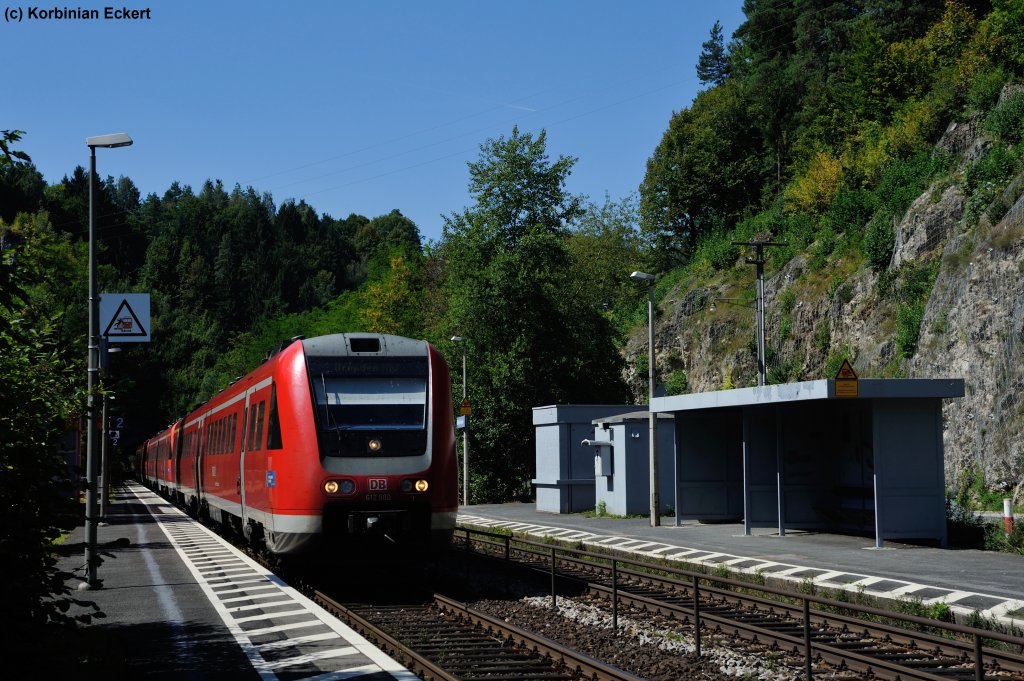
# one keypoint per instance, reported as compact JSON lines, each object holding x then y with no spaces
{"x":972,"y":325}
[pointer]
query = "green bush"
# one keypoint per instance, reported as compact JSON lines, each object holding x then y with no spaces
{"x":676,"y":383}
{"x":822,"y":335}
{"x":993,"y":169}
{"x":987,"y":178}
{"x":908,"y":328}
{"x":717,"y":250}
{"x":985,"y":88}
{"x":996,"y":538}
{"x":879,"y":243}
{"x":787,"y":301}
{"x":1006,"y":121}
{"x":850,"y":211}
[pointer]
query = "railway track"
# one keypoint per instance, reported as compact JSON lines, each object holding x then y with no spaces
{"x":873,"y":642}
{"x":444,"y":639}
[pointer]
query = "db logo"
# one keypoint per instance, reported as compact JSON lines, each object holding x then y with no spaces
{"x":378,"y":484}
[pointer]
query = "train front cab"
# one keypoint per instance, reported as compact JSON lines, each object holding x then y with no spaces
{"x":385,"y":443}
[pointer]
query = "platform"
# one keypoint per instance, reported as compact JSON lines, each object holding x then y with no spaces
{"x":969,"y":581}
{"x":182,"y":603}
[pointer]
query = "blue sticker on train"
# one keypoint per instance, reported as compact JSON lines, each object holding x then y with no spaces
{"x":271,"y":478}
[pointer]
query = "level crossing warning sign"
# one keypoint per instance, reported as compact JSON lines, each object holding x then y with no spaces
{"x":846,"y":381}
{"x":124,"y":317}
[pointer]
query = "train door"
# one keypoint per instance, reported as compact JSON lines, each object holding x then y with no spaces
{"x":178,"y":444}
{"x":252,"y":474}
{"x":197,"y":465}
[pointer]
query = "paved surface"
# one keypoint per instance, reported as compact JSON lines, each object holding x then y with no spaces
{"x":968,"y":580}
{"x":182,"y":603}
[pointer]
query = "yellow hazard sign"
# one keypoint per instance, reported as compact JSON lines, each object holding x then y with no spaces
{"x":465,"y":409}
{"x":846,"y":381}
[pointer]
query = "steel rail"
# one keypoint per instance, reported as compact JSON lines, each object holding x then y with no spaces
{"x":575,"y":663}
{"x":415,"y":662}
{"x":579,"y":664}
{"x":543,"y":557}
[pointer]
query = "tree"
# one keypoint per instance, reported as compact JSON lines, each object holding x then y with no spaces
{"x":713,"y":64}
{"x":391,"y":302}
{"x":702,"y":175}
{"x":508,"y":292}
{"x":39,"y":398}
{"x":604,"y":248}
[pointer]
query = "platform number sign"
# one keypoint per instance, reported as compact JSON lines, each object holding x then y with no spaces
{"x":114,"y":429}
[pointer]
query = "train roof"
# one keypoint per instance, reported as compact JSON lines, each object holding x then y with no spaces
{"x":363,"y":344}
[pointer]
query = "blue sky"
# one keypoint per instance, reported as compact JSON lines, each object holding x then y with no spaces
{"x":356,"y":107}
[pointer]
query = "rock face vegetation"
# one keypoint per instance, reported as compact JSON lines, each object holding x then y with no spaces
{"x":883,"y":143}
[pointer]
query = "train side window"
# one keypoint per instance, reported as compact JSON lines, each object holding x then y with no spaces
{"x":273,"y":422}
{"x":231,"y":433}
{"x":259,"y":425}
{"x":252,"y":428}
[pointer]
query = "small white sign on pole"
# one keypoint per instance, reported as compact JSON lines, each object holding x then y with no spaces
{"x":124,"y":317}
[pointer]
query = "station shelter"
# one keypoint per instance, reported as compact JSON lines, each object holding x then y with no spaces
{"x":565,"y":467}
{"x":867,"y":458}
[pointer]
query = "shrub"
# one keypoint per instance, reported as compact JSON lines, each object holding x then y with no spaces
{"x":717,"y":250}
{"x":822,"y":335}
{"x":676,"y":383}
{"x":879,"y":243}
{"x":787,"y":301}
{"x":1006,"y":122}
{"x":908,"y":328}
{"x":985,"y":88}
{"x":850,"y":211}
{"x":815,"y":189}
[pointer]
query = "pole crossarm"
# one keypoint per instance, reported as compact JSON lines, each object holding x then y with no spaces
{"x":758,"y":260}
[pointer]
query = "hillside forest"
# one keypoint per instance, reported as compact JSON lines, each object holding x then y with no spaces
{"x":881,"y":140}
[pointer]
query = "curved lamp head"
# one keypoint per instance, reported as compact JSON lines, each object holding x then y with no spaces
{"x":641,"y":276}
{"x":117,"y":139}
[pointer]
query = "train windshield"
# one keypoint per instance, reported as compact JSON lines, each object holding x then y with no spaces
{"x":370,"y":393}
{"x":372,"y":402}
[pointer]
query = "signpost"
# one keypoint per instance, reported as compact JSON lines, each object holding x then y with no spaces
{"x":846,"y":381}
{"x":124,"y":317}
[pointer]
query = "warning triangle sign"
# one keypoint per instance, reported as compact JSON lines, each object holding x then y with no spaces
{"x":124,"y":323}
{"x":846,"y":371}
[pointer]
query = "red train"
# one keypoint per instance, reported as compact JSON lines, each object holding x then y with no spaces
{"x":331,"y":439}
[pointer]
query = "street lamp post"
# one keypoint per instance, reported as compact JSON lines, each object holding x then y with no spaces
{"x":653,"y":423}
{"x":465,"y":426}
{"x":91,"y":461}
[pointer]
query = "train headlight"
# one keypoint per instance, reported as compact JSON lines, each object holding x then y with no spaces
{"x":333,"y":487}
{"x":374,"y":446}
{"x":409,"y":486}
